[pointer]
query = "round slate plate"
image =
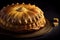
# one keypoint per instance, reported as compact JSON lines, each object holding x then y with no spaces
{"x":48,"y":27}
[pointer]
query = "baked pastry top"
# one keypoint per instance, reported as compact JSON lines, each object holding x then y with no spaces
{"x":21,"y":17}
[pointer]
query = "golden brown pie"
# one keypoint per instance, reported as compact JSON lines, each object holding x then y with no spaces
{"x":22,"y":17}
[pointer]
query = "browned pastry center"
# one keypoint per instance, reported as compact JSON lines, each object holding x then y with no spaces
{"x":22,"y":17}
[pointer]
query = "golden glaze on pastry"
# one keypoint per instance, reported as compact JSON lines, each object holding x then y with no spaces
{"x":21,"y":17}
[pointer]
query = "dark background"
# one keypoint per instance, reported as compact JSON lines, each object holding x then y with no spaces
{"x":51,"y":9}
